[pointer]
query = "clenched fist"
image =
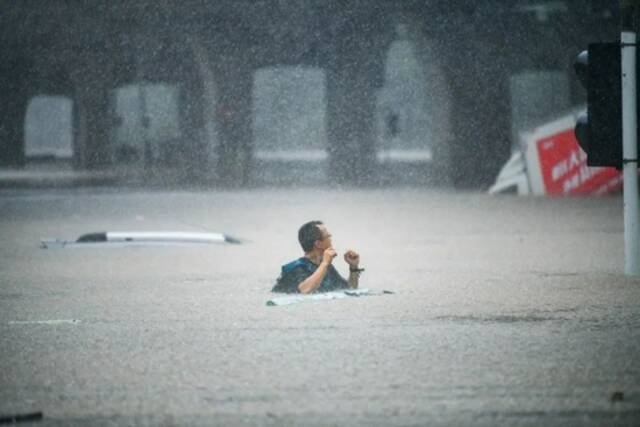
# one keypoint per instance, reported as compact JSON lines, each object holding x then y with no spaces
{"x":328,"y":255}
{"x":352,"y":258}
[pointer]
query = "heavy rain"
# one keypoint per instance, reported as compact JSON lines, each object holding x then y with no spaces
{"x":157,"y":163}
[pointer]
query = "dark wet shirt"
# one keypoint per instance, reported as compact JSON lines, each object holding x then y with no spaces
{"x":297,"y":271}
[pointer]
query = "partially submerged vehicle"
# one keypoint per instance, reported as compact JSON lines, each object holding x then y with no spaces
{"x":140,"y":238}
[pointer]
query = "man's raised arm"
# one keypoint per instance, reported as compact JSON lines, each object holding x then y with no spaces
{"x":314,"y":281}
{"x":353,"y":259}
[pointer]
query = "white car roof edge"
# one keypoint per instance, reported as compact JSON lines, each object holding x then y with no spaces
{"x":163,"y":235}
{"x":153,"y":236}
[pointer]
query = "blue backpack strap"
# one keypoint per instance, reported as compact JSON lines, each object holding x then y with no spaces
{"x":300,"y":262}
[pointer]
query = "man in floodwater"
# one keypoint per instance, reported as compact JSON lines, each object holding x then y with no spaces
{"x":314,"y":271}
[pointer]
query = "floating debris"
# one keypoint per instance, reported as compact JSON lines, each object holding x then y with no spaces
{"x":349,"y":293}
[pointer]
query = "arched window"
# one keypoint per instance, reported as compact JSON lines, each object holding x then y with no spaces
{"x":289,"y":106}
{"x":405,"y":133}
{"x":49,"y":128}
{"x":147,"y":123}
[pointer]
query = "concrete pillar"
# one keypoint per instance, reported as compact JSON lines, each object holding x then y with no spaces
{"x":196,"y":108}
{"x":13,"y":113}
{"x":192,"y":152}
{"x":14,"y":78}
{"x":208,"y":94}
{"x":352,"y":79}
{"x":91,"y":113}
{"x":234,"y":115}
{"x":478,"y":80}
{"x":437,"y":99}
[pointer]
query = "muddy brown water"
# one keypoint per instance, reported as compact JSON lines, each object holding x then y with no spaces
{"x":507,"y":311}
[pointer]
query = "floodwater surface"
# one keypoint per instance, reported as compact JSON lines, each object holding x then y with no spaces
{"x":506,"y":311}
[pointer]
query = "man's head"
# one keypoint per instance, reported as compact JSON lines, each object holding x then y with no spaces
{"x":314,"y":235}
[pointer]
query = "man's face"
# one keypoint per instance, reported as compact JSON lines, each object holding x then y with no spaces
{"x":325,"y":240}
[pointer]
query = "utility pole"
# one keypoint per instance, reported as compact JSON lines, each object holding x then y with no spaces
{"x":629,"y":12}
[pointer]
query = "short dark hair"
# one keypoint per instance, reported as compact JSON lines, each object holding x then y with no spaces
{"x":308,"y":234}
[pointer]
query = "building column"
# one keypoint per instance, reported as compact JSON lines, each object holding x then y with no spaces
{"x":234,"y":116}
{"x":91,"y":114}
{"x":13,"y":111}
{"x":438,"y":98}
{"x":478,"y":80}
{"x":352,"y":79}
{"x":206,"y":97}
{"x":192,"y":150}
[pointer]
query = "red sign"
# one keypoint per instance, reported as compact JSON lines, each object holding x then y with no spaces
{"x":564,"y":168}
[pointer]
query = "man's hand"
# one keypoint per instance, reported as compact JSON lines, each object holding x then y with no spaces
{"x":328,"y":255}
{"x":352,"y":258}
